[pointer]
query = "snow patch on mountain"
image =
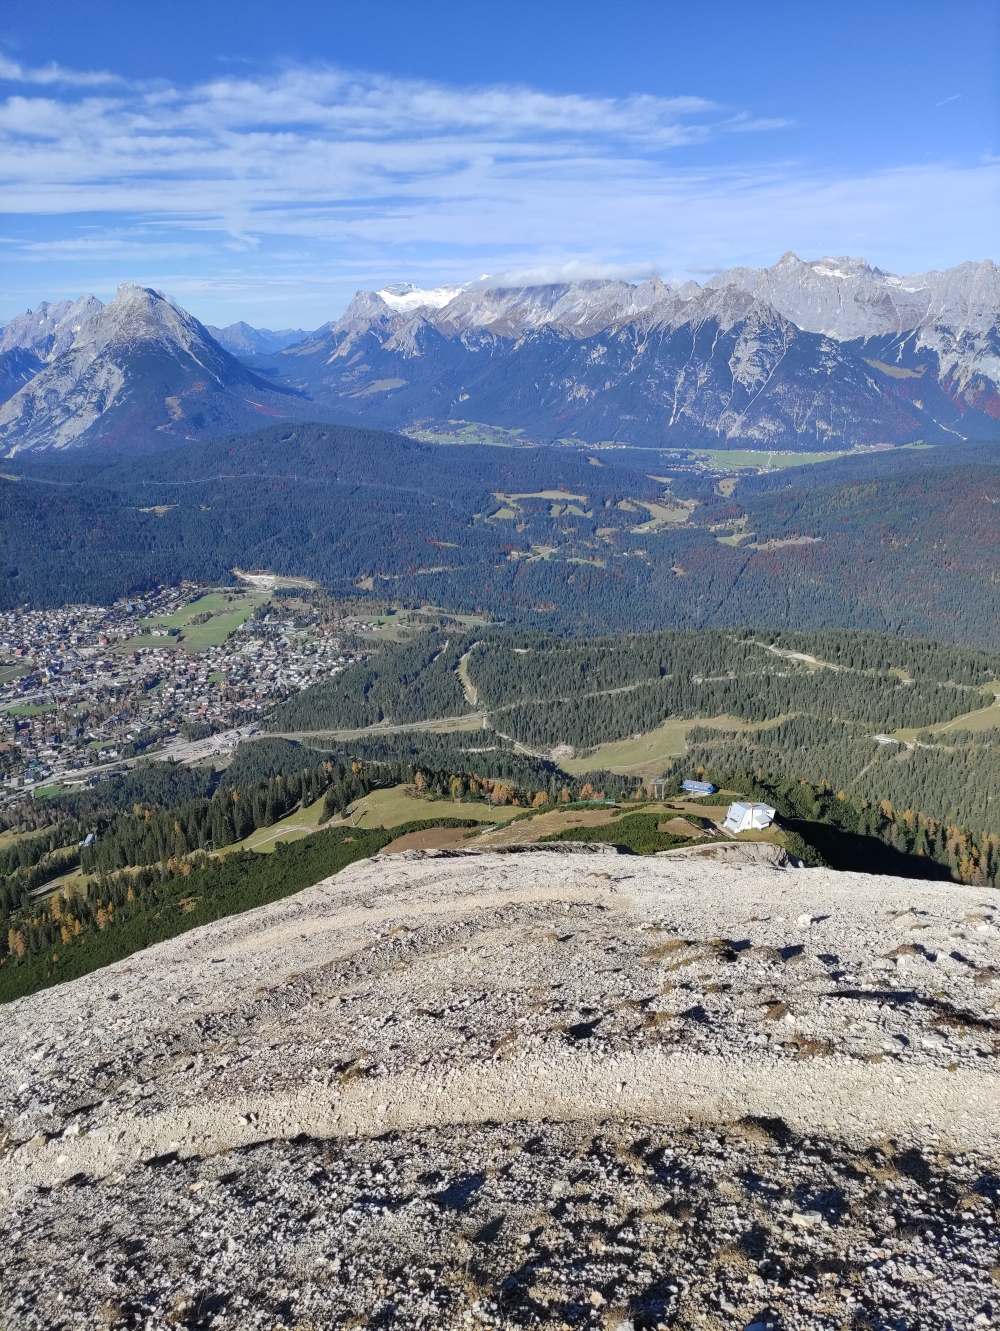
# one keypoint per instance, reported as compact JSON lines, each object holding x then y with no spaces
{"x":404,"y":297}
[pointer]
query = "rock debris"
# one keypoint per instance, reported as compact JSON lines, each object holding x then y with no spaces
{"x":557,"y":1089}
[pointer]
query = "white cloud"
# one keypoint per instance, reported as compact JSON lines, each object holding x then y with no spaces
{"x":311,"y":137}
{"x":304,"y":184}
{"x":12,"y":72}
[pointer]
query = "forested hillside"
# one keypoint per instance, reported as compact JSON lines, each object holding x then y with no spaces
{"x":903,"y":544}
{"x":953,"y":779}
{"x":402,"y":684}
{"x":830,"y":700}
{"x":544,"y":691}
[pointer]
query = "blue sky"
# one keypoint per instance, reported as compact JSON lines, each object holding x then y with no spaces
{"x":264,"y":161}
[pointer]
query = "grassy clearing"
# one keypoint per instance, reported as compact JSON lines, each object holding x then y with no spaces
{"x":74,"y":880}
{"x":399,"y":625}
{"x":228,"y":610}
{"x":646,"y":755}
{"x":982,"y":718}
{"x":11,"y":838}
{"x":301,"y":823}
{"x":196,"y":637}
{"x":203,"y":605}
{"x":744,"y":457}
{"x":143,"y":642}
{"x":388,"y":808}
{"x":13,"y":670}
{"x":665,"y":515}
{"x":31,"y":711}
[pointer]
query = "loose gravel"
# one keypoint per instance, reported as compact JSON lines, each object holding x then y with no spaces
{"x":546,"y":1089}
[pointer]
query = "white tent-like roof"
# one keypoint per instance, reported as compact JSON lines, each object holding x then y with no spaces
{"x":746,"y":817}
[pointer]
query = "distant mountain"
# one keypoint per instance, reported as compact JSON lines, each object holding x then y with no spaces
{"x":33,"y":339}
{"x":137,"y":374}
{"x":827,"y":355}
{"x":954,"y":313}
{"x":830,"y":354}
{"x":240,"y":339}
{"x":847,"y":298}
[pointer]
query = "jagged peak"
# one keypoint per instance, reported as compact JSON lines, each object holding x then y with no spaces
{"x":50,"y":327}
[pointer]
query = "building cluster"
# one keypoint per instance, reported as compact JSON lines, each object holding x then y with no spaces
{"x":87,"y":688}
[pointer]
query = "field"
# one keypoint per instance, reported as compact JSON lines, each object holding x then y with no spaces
{"x":11,"y":837}
{"x":430,"y":838}
{"x":646,"y":755}
{"x":723,"y":458}
{"x":237,"y":607}
{"x":37,"y":710}
{"x":391,"y":808}
{"x":13,"y":670}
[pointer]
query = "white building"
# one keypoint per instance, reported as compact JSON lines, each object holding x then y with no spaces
{"x":744,"y":817}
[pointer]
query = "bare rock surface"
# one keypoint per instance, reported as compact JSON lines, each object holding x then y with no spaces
{"x":556,"y":1088}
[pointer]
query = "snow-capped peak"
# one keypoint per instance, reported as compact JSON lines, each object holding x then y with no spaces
{"x":404,"y":297}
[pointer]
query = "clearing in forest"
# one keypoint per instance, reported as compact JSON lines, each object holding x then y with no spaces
{"x":982,"y":718}
{"x":401,"y":804}
{"x":646,"y":755}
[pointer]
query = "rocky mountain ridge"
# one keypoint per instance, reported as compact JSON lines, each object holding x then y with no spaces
{"x":35,"y":338}
{"x":137,"y":373}
{"x":822,"y":355}
{"x":758,"y":361}
{"x":843,"y":298}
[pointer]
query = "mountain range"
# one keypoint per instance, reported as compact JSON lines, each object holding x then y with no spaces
{"x":240,"y":339}
{"x":805,"y":355}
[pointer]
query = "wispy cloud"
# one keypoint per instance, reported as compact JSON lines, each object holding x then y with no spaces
{"x":302,"y":184}
{"x":315,"y":138}
{"x":12,"y":72}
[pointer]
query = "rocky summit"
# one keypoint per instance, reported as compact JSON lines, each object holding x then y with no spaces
{"x":134,"y":375}
{"x":538,"y":1088}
